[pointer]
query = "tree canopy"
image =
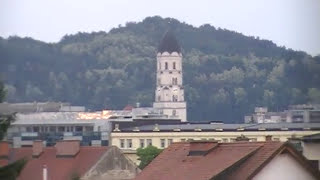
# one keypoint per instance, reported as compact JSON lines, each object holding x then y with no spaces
{"x":146,"y":155}
{"x":12,"y":170}
{"x":226,"y":74}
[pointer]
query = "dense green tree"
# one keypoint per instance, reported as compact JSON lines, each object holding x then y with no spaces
{"x":146,"y":155}
{"x":11,"y":171}
{"x":226,"y":74}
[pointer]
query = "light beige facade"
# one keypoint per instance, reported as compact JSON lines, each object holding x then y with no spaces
{"x":130,"y":141}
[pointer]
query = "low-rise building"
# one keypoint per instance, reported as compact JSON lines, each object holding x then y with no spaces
{"x":231,"y":161}
{"x":311,"y":148}
{"x":31,"y":107}
{"x":303,"y":113}
{"x":161,"y":136}
{"x":68,"y":160}
{"x":91,"y":128}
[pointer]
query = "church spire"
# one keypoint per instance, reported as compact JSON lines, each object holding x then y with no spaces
{"x":169,"y":43}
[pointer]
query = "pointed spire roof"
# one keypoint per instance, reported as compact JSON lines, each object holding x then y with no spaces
{"x":169,"y":43}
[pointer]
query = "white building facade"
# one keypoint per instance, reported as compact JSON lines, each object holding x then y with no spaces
{"x":169,"y":93}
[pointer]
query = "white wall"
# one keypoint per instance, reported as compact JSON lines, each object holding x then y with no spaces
{"x":311,"y":151}
{"x":283,"y":167}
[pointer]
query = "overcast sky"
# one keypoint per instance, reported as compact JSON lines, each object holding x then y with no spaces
{"x":292,"y":23}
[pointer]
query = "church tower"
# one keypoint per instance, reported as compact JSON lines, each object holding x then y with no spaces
{"x":169,"y":94}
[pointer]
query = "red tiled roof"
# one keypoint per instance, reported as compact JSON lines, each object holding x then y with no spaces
{"x":59,"y":168}
{"x":128,"y":108}
{"x":238,"y":160}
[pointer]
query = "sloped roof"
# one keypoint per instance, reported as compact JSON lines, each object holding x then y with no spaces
{"x":240,"y":160}
{"x":61,"y":168}
{"x":312,"y":138}
{"x":169,"y":43}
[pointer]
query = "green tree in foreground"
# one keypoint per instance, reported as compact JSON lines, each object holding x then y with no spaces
{"x":146,"y":155}
{"x":12,"y":170}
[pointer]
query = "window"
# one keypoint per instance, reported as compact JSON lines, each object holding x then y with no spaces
{"x":142,"y":143}
{"x":79,"y":129}
{"x":36,"y":129}
{"x":174,"y":81}
{"x":166,"y":65}
{"x":61,"y":129}
{"x":276,"y":139}
{"x":149,"y":142}
{"x":29,"y":129}
{"x":174,"y":65}
{"x":174,"y":98}
{"x":162,"y":143}
{"x":174,"y":112}
{"x":89,"y":128}
{"x":121,"y":143}
{"x":253,"y":139}
{"x":170,"y":141}
{"x":52,"y":129}
{"x":224,"y":139}
{"x":129,"y":143}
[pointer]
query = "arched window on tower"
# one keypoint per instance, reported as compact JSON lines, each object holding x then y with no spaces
{"x":174,"y":81}
{"x":166,"y":65}
{"x":174,"y":65}
{"x":174,"y":98}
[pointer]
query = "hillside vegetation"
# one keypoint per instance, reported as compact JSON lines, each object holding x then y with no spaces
{"x":226,"y":74}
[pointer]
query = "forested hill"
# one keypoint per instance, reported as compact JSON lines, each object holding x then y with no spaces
{"x":226,"y":74}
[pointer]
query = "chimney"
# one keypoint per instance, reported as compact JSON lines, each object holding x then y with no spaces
{"x":4,"y":153}
{"x":67,"y":148}
{"x":44,"y":172}
{"x":37,"y":148}
{"x":268,"y":138}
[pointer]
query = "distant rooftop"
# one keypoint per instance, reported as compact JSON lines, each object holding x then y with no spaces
{"x":30,"y":107}
{"x":228,"y":127}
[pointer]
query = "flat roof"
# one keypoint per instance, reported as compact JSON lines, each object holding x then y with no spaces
{"x":225,"y":127}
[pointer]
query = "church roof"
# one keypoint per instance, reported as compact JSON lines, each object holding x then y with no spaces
{"x":169,"y":43}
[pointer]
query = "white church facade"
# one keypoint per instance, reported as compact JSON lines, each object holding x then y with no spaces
{"x":169,"y":93}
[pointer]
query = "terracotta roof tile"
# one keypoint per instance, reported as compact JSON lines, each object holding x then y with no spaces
{"x":239,"y":160}
{"x":58,"y":167}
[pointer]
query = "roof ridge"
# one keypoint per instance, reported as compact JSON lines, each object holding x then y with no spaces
{"x":236,"y":164}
